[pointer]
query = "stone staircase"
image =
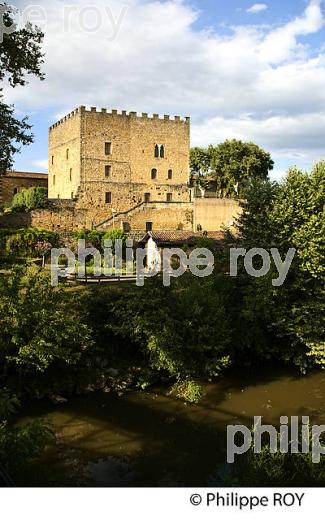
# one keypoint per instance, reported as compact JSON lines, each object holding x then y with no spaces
{"x":105,"y":224}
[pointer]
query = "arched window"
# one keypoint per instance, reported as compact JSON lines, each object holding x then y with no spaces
{"x":15,"y":191}
{"x":170,"y":174}
{"x":156,"y":150}
{"x":162,"y":151}
{"x":153,"y":174}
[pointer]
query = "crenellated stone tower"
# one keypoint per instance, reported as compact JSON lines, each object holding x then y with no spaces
{"x":122,"y":169}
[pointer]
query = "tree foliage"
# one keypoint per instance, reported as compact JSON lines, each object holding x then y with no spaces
{"x":289,"y":215}
{"x":29,"y":199}
{"x":181,"y":330}
{"x":38,"y":329}
{"x":232,"y":164}
{"x":20,"y":56}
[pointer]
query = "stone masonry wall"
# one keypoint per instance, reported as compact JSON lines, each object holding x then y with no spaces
{"x":162,"y":216}
{"x":59,"y":216}
{"x":132,"y":158}
{"x":64,"y":157}
{"x":14,"y":182}
{"x":212,"y":214}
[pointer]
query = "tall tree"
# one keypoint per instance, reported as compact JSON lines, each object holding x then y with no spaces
{"x":232,"y":163}
{"x":289,"y":215}
{"x":20,"y":56}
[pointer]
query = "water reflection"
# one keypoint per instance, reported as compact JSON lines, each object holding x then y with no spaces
{"x":151,"y":439}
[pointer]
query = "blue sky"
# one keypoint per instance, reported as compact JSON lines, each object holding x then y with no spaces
{"x":240,"y":69}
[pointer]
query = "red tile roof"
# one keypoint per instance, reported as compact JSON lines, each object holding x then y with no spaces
{"x":180,"y":237}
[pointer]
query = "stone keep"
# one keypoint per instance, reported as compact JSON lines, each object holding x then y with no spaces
{"x":115,"y":163}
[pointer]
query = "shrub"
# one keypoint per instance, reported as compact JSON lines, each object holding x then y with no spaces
{"x":276,"y":469}
{"x":39,"y":329}
{"x":29,"y":199}
{"x":23,"y":242}
{"x":188,"y":390}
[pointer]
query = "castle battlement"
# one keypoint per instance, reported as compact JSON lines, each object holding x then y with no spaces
{"x":119,"y":113}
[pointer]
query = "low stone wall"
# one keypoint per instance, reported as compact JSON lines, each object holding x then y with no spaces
{"x":213,"y":214}
{"x":59,"y":216}
{"x":169,"y":216}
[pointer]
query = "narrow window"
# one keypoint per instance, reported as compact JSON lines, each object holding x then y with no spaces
{"x":147,"y":197}
{"x":108,"y":148}
{"x":53,"y":180}
{"x":154,"y":173}
{"x":126,"y":227}
{"x":156,"y":150}
{"x":108,"y":197}
{"x":52,"y":160}
{"x":70,"y":174}
{"x":162,"y":151}
{"x":67,"y":153}
{"x":108,"y":170}
{"x":72,"y":194}
{"x":58,"y":195}
{"x":15,"y":191}
{"x":148,"y":226}
{"x":170,"y":174}
{"x":169,"y":197}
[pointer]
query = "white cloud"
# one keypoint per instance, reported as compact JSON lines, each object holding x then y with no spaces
{"x":257,"y":8}
{"x":255,"y":82}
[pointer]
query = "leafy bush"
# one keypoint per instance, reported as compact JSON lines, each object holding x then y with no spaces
{"x":268,"y":469}
{"x":188,"y":390}
{"x":19,"y":445}
{"x":29,"y":199}
{"x":23,"y":242}
{"x":114,"y":234}
{"x":182,"y":331}
{"x":39,"y":330}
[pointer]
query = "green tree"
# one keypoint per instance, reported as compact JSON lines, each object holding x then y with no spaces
{"x":182,"y":330}
{"x":290,"y":215}
{"x":39,"y":328}
{"x":20,"y":55}
{"x":199,"y":161}
{"x":234,"y":163}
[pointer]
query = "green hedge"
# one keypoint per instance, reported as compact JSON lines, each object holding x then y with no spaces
{"x":31,"y":198}
{"x":22,"y":242}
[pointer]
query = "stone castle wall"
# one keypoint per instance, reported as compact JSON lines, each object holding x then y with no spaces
{"x":214,"y":214}
{"x":210,"y":214}
{"x":131,"y":161}
{"x":59,"y":216}
{"x":14,"y":182}
{"x":65,"y":157}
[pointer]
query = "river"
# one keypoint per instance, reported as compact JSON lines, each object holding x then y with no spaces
{"x":147,"y":438}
